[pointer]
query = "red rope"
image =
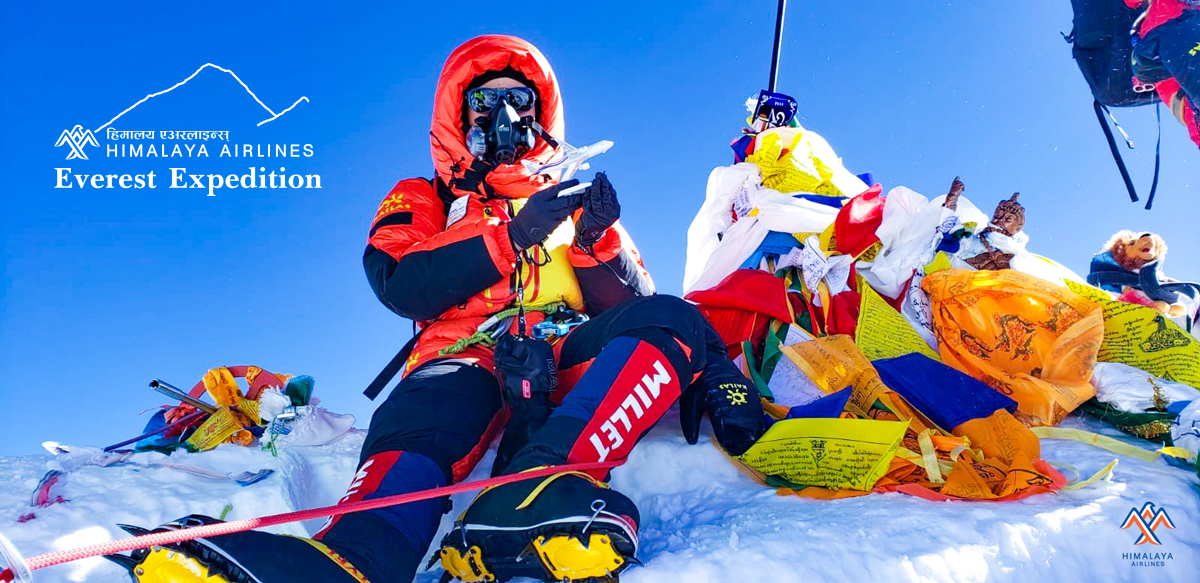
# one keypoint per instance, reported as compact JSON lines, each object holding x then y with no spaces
{"x":174,"y":536}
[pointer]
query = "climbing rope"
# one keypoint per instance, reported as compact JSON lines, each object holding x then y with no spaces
{"x":486,"y":336}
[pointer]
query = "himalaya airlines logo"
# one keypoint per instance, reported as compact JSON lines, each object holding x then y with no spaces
{"x":1147,"y":521}
{"x":77,"y":138}
{"x":185,"y":143}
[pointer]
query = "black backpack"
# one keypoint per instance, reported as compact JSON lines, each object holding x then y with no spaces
{"x":1103,"y":47}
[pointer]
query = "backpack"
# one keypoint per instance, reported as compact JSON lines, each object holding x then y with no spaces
{"x":1102,"y":44}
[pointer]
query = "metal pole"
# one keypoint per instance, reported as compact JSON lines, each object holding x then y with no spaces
{"x":176,"y":393}
{"x":778,"y":42}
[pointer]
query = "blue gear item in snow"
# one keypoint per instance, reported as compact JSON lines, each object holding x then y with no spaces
{"x":945,"y":395}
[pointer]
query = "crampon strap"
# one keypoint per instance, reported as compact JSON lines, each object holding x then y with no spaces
{"x":17,"y":566}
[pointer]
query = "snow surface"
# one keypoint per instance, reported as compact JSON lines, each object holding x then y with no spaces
{"x":702,"y":520}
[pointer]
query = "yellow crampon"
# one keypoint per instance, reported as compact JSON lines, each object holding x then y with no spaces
{"x":564,"y":557}
{"x":163,"y":565}
{"x":467,"y":566}
{"x":567,"y":559}
{"x":566,"y":550}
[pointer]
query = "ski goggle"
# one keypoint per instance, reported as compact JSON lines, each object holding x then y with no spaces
{"x":485,"y":99}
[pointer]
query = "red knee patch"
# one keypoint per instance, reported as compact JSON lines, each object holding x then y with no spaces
{"x":370,"y":474}
{"x":642,"y":392}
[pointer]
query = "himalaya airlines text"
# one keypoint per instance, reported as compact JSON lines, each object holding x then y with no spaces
{"x":255,"y":178}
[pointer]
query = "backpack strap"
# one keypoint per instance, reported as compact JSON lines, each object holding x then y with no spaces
{"x":386,"y":375}
{"x":394,"y":366}
{"x":472,"y":177}
{"x":1157,"y":157}
{"x":1112,"y":146}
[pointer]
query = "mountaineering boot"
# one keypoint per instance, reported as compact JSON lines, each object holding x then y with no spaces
{"x":244,"y":557}
{"x":565,"y":527}
{"x":571,"y":526}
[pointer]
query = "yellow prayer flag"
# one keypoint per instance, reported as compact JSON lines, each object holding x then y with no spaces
{"x":1143,"y":338}
{"x":883,"y":333}
{"x":834,"y":453}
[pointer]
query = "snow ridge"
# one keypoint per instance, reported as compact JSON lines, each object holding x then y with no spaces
{"x":702,"y":520}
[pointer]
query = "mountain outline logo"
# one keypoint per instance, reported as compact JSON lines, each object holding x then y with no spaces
{"x":77,"y":138}
{"x":1147,"y":520}
{"x":273,"y":117}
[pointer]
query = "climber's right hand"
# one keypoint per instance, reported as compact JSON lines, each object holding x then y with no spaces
{"x":543,"y":213}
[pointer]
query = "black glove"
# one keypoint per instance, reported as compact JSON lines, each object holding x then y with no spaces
{"x":543,"y":213}
{"x":528,"y":375}
{"x":733,"y":407}
{"x":600,"y":211}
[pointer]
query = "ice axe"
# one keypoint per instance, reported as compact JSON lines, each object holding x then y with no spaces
{"x":175,"y":393}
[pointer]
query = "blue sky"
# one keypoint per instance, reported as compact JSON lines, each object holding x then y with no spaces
{"x":103,"y":290}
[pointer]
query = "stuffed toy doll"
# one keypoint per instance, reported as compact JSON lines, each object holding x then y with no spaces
{"x":1131,"y":265}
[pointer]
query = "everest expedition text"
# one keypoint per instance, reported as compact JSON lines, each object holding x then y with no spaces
{"x":254,"y":178}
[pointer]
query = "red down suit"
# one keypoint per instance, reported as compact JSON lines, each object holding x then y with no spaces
{"x":438,"y":251}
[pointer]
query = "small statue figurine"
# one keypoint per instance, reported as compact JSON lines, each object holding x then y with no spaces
{"x":1007,"y":221}
{"x":956,"y":189}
